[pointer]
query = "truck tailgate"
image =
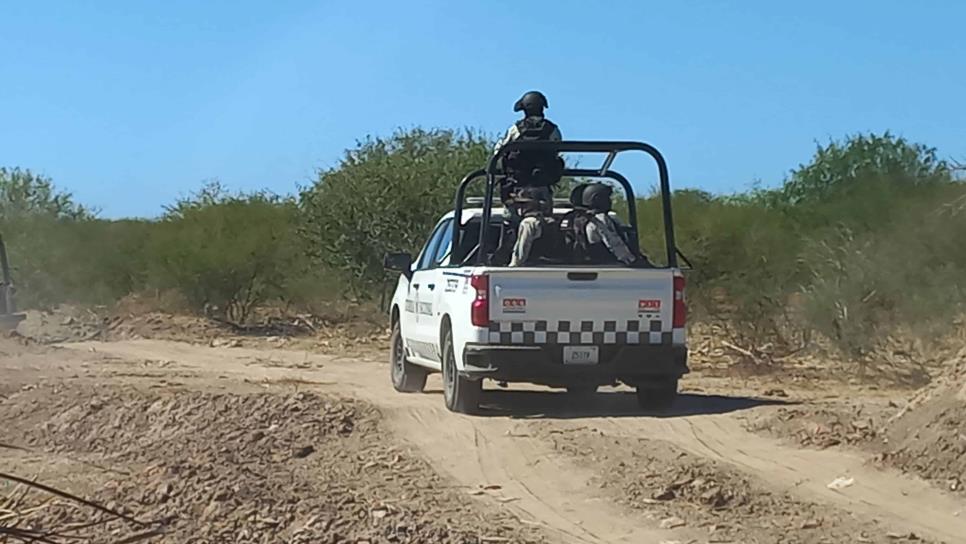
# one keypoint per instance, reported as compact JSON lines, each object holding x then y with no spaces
{"x":581,"y":306}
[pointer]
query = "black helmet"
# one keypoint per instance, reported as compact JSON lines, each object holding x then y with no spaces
{"x":577,"y":195}
{"x":596,"y":196}
{"x":537,"y":195}
{"x":532,"y":199}
{"x":533,"y":100}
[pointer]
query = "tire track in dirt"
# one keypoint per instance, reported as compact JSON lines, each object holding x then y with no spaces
{"x":903,"y":501}
{"x":536,"y":492}
{"x":546,"y":488}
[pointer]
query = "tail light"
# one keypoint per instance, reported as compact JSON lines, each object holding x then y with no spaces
{"x":480,"y":309}
{"x":680,"y":308}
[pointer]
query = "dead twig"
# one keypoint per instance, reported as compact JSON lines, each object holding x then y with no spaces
{"x":26,"y":535}
{"x":68,"y":496}
{"x":740,"y":350}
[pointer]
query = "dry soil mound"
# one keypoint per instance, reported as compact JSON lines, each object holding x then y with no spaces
{"x":208,"y":467}
{"x":928,"y":437}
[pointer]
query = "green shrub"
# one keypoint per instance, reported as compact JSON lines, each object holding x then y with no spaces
{"x":385,"y":196}
{"x":842,"y":169}
{"x":852,"y":235}
{"x":58,"y":251}
{"x":23,"y":193}
{"x":865,"y":239}
{"x":745,"y":257}
{"x":908,"y":275}
{"x":225,"y":252}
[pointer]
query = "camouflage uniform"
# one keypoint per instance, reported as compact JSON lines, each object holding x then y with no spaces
{"x":513,"y":133}
{"x":538,"y":205}
{"x":602,"y":230}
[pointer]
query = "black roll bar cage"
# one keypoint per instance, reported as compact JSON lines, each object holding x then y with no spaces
{"x":611,"y":148}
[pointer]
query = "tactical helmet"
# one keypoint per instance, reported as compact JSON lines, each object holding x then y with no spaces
{"x":533,"y":198}
{"x":531,"y":101}
{"x":577,"y":194}
{"x":596,"y":196}
{"x":532,"y":194}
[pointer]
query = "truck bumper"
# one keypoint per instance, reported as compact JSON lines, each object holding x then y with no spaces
{"x":630,"y":364}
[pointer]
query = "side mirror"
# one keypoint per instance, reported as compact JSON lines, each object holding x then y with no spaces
{"x":401,"y":262}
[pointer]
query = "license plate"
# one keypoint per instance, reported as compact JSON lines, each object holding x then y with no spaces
{"x":580,"y":355}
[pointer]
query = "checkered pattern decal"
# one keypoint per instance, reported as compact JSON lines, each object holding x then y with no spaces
{"x":579,"y":332}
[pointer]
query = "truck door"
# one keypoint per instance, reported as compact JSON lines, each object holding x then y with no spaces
{"x":426,"y":287}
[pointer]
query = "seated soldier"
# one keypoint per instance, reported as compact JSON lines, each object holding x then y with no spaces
{"x":535,"y":207}
{"x":599,"y":230}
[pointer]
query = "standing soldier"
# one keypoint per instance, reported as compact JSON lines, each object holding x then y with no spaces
{"x":530,"y":168}
{"x":531,"y":172}
{"x":533,"y":126}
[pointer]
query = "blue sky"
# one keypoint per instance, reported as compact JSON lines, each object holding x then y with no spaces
{"x":131,"y":104}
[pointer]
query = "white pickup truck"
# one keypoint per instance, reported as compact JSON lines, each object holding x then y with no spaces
{"x":569,"y":326}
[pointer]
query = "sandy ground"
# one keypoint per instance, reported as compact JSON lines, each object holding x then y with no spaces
{"x":230,"y":443}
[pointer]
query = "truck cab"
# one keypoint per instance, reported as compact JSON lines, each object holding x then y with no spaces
{"x":558,"y":324}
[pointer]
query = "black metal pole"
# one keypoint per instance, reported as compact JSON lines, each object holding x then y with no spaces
{"x":484,"y":224}
{"x":672,"y":248}
{"x":6,"y":305}
{"x":4,"y":265}
{"x":458,"y":212}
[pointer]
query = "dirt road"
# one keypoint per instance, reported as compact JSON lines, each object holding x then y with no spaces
{"x":585,"y":473}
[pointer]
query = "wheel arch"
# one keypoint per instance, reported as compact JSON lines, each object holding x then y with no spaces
{"x":445,"y":326}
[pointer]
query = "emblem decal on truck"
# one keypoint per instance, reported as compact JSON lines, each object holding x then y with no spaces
{"x":514,"y":305}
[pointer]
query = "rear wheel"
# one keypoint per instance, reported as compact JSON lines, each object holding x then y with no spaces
{"x":406,"y":377}
{"x":658,"y":394}
{"x":460,"y":394}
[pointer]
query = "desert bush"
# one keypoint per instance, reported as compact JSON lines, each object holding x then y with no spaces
{"x":385,"y":195}
{"x":87,"y":261}
{"x":853,"y":235}
{"x":881,"y":247}
{"x":24,"y":193}
{"x":745,"y":258}
{"x":59,"y":251}
{"x":908,"y":275}
{"x":843,"y":169}
{"x":865,"y":239}
{"x":226,"y":252}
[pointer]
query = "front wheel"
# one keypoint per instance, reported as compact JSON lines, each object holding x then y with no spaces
{"x":460,"y":394}
{"x":406,"y":377}
{"x":657,"y":395}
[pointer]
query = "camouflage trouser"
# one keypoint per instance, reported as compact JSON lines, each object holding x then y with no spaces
{"x":529,"y":230}
{"x":537,"y":201}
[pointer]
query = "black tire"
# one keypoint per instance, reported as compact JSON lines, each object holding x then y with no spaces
{"x":460,"y":394}
{"x":658,"y":395}
{"x":406,"y":377}
{"x":582,"y":390}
